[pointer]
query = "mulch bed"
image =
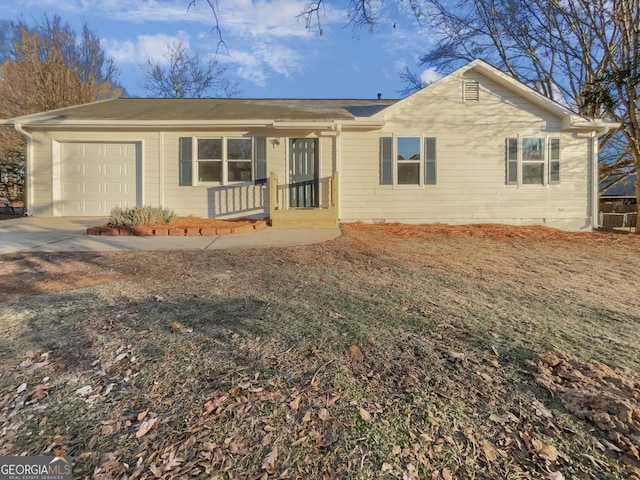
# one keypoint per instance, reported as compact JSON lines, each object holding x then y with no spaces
{"x":183,"y":227}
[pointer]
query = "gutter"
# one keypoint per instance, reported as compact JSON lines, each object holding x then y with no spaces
{"x":27,"y":168}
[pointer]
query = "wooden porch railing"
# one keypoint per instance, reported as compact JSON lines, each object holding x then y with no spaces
{"x":326,"y":213}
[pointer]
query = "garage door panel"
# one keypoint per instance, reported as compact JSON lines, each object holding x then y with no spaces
{"x":71,"y":169}
{"x":97,"y":177}
{"x":90,"y":188}
{"x":115,"y":188}
{"x":114,"y":169}
{"x":90,"y":169}
{"x":74,"y":187}
{"x":93,"y":149}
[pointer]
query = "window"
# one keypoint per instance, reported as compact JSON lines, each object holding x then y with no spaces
{"x":209,"y":159}
{"x":407,"y":161}
{"x":221,"y":160}
{"x":532,"y":161}
{"x":239,"y":160}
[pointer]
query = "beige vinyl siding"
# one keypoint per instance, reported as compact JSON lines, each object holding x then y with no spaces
{"x":471,"y":186}
{"x":42,"y":181}
{"x":208,"y":201}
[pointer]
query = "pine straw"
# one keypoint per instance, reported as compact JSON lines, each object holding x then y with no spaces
{"x":534,"y":233}
{"x":192,"y":221}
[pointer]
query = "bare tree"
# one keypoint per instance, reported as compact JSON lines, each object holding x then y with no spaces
{"x":184,"y":76}
{"x":43,"y":67}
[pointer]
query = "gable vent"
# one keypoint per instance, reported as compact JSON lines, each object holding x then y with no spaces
{"x":471,"y":91}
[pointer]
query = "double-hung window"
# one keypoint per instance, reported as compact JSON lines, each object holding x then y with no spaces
{"x":239,"y":159}
{"x":407,"y":161}
{"x":209,"y":155}
{"x":221,"y":160}
{"x":532,"y":161}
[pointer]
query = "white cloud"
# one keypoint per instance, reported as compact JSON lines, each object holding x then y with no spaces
{"x":430,"y":75}
{"x":264,"y":60}
{"x":144,"y":48}
{"x":272,"y":18}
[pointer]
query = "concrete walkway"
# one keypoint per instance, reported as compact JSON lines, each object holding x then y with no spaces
{"x":68,"y":234}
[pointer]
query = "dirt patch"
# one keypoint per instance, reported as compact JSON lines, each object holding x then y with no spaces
{"x":593,"y":391}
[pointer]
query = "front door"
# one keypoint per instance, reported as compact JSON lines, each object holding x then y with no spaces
{"x":303,"y":172}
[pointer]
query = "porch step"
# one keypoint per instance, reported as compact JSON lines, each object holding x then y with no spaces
{"x":305,"y":217}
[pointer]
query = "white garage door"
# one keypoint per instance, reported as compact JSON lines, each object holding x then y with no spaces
{"x":95,"y":177}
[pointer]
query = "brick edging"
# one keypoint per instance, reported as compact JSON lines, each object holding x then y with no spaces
{"x":176,"y":231}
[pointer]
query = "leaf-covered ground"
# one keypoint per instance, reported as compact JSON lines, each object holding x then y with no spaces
{"x":391,"y":352}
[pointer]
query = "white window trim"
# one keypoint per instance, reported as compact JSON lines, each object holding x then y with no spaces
{"x":394,"y":153}
{"x":225,"y":167}
{"x":546,"y":162}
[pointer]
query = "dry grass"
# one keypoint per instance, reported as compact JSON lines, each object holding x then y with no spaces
{"x":247,"y":360}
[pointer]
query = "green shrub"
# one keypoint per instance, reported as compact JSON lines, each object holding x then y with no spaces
{"x":135,"y":216}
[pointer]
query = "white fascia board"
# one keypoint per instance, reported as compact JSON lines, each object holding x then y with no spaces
{"x":147,"y":123}
{"x":578,"y":123}
{"x":331,"y":125}
{"x":52,"y":123}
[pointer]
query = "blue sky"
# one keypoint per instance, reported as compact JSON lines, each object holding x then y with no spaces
{"x":267,"y":48}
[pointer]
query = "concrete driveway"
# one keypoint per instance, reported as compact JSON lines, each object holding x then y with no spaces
{"x":68,"y":234}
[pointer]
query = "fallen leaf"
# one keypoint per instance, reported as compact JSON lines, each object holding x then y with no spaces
{"x":21,"y":388}
{"x":490,"y":453}
{"x":141,"y":415}
{"x":175,"y":326}
{"x":84,"y":391}
{"x":335,"y":315}
{"x":269,"y":462}
{"x":145,"y":427}
{"x":541,"y":410}
{"x":354,"y":352}
{"x":553,"y":476}
{"x":212,"y":405}
{"x":173,"y":462}
{"x":38,"y":392}
{"x":295,"y":404}
{"x":546,"y":451}
{"x":323,"y":414}
{"x":504,"y":419}
{"x":446,"y":474}
{"x":307,"y":417}
{"x":364,"y":414}
{"x":457,"y":356}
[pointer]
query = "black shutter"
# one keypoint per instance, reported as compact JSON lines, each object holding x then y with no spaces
{"x":386,"y":161}
{"x":185,"y":162}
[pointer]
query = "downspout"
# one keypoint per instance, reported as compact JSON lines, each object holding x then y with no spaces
{"x":27,"y":168}
{"x":338,"y":151}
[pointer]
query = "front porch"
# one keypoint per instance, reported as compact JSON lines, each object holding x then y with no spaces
{"x":321,"y":211}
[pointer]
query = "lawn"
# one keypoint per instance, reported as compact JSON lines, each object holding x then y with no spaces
{"x":476,"y":352}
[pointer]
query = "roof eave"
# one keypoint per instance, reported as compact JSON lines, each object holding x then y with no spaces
{"x":576,"y":123}
{"x":118,"y":124}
